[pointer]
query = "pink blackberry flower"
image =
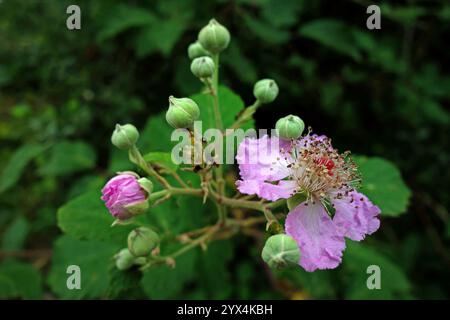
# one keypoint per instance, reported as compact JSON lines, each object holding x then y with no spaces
{"x":332,"y":208}
{"x":121,"y":193}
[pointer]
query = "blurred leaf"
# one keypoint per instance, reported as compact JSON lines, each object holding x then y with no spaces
{"x":160,"y":36}
{"x":68,"y":157}
{"x":16,"y":234}
{"x":19,"y":280}
{"x":394,"y":283}
{"x":265,"y":31}
{"x":161,"y":159}
{"x":122,"y":17}
{"x":383,"y":185}
{"x":333,"y":34}
{"x":240,"y":64}
{"x":93,"y":258}
{"x":86,"y":217}
{"x":282,"y":13}
{"x":164,"y":282}
{"x":405,"y":15}
{"x":17,"y":164}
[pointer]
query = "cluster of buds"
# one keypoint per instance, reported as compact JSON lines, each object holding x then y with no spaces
{"x":127,"y":194}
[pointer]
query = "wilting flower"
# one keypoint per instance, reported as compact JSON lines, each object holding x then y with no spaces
{"x":124,"y":196}
{"x":331,"y":208}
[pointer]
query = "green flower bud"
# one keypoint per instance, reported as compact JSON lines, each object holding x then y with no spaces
{"x":124,"y":259}
{"x":281,"y":251}
{"x":182,"y":112}
{"x":195,"y":50}
{"x":202,"y":67}
{"x":142,"y":241}
{"x":290,"y":127}
{"x":214,"y":37}
{"x":124,"y":137}
{"x":265,"y":90}
{"x":146,"y":184}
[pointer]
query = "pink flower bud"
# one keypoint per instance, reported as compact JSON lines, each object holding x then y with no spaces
{"x":123,"y":193}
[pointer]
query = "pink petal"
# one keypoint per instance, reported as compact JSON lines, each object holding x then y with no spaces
{"x":282,"y":190}
{"x":262,"y":159}
{"x":319,"y":241}
{"x":356,"y":216}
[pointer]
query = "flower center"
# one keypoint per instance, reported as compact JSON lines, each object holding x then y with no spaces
{"x":321,"y":170}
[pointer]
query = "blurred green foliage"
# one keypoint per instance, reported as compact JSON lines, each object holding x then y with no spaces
{"x":382,"y":93}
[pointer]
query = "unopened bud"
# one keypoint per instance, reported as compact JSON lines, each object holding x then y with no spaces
{"x":124,"y":259}
{"x":182,"y":112}
{"x":265,"y":91}
{"x":142,"y":241}
{"x":280,"y":251}
{"x":202,"y":67}
{"x":195,"y":50}
{"x":214,"y":37}
{"x":290,"y":127}
{"x":124,"y":137}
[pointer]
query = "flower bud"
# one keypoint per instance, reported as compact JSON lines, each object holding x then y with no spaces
{"x":265,"y":91}
{"x":281,"y":251}
{"x":202,"y":67}
{"x":214,"y":37}
{"x":182,"y":112}
{"x":290,"y":127}
{"x":124,"y":137}
{"x":124,"y":197}
{"x":142,"y":241}
{"x":124,"y":259}
{"x":195,"y":50}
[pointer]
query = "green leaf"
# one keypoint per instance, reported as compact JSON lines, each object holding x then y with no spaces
{"x":179,"y":214}
{"x":69,"y":157}
{"x":164,"y":282}
{"x":214,"y":276}
{"x":17,"y":164}
{"x":394,"y":283}
{"x":383,"y":185}
{"x":124,"y":284}
{"x":333,"y":34}
{"x":19,"y":280}
{"x":87,"y":218}
{"x":161,"y":159}
{"x":94,"y":259}
{"x":230,"y":105}
{"x":156,"y":134}
{"x":318,"y":284}
{"x":16,"y":234}
{"x":123,"y":17}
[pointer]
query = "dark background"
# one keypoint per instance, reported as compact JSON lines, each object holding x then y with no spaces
{"x":376,"y":92}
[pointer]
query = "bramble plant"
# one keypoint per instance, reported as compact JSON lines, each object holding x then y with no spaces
{"x":291,"y":168}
